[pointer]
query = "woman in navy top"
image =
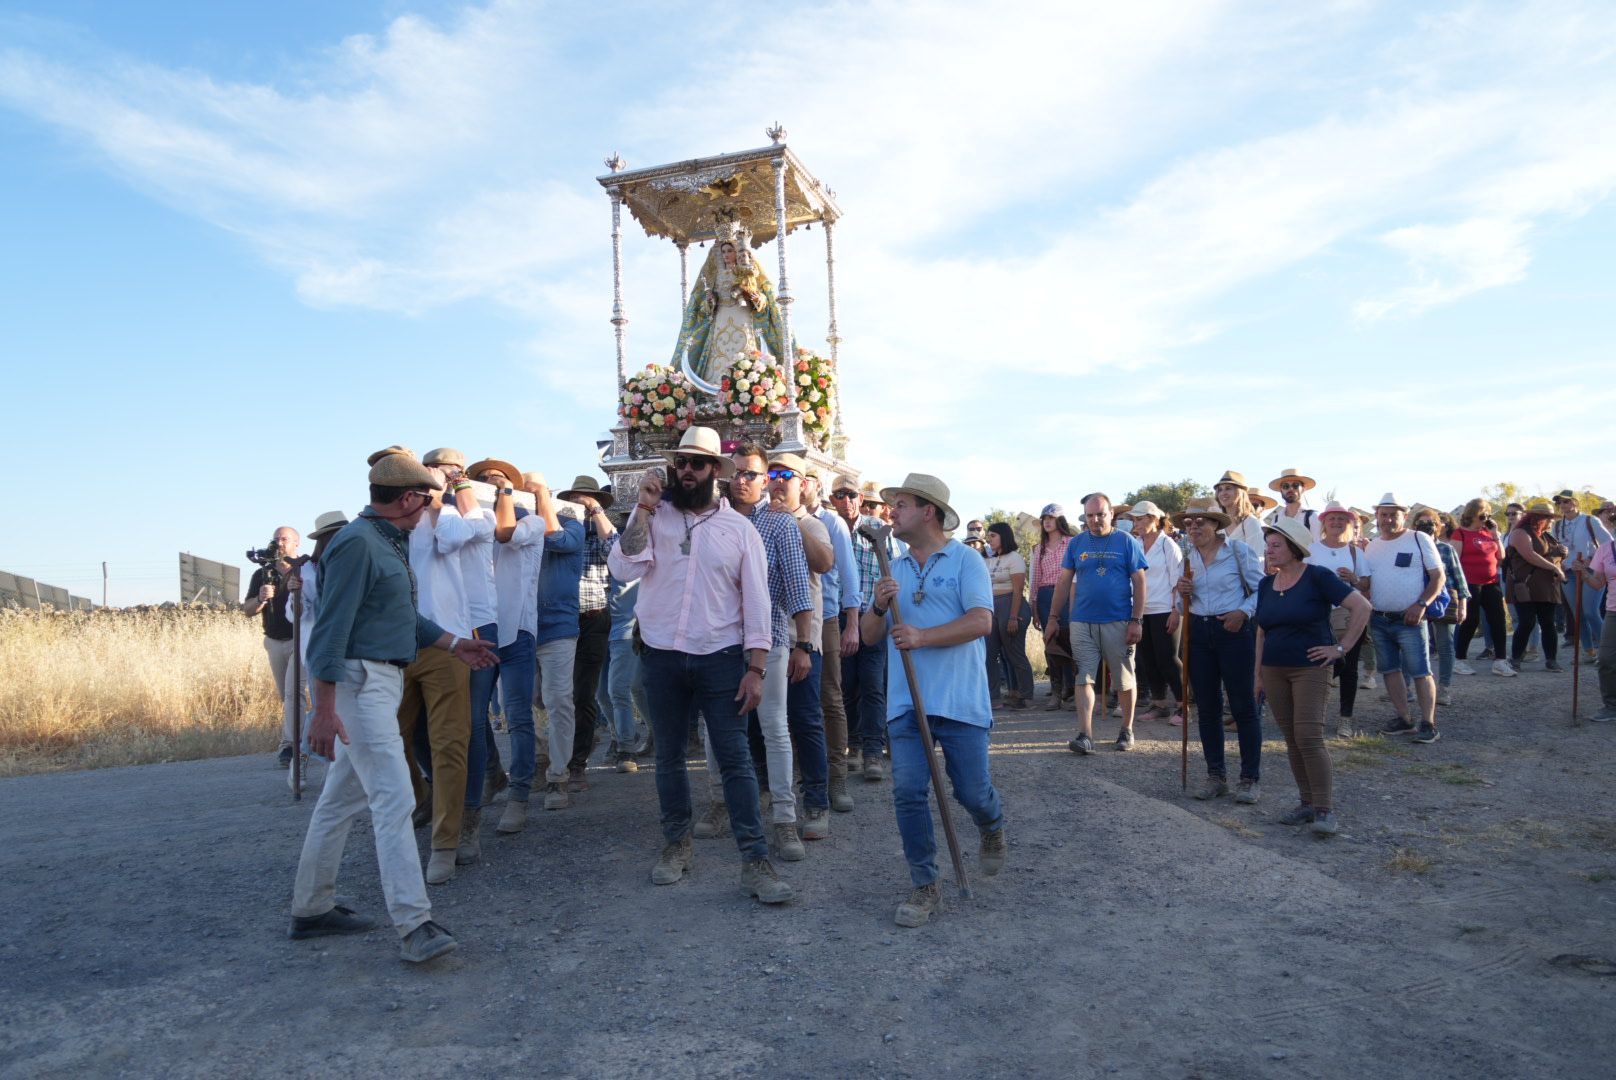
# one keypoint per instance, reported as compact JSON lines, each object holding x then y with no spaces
{"x":1295,"y":649}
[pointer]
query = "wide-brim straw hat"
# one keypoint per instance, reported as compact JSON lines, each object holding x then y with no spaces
{"x":1541,"y":508}
{"x":1308,"y":483}
{"x":513,"y":475}
{"x":1201,"y":508}
{"x":929,"y":488}
{"x":1259,"y":500}
{"x":1292,"y":530}
{"x":700,"y":441}
{"x":588,"y":485}
{"x":1566,"y":495}
{"x":445,"y":455}
{"x":1364,"y":516}
{"x":1334,"y":507}
{"x":1238,"y":479}
{"x":870,"y":492}
{"x":327,"y":523}
{"x":403,"y":471}
{"x":1146,"y":508}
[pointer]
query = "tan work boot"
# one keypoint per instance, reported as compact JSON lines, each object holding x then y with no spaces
{"x":758,"y":878}
{"x":840,"y":800}
{"x":787,"y":844}
{"x":714,"y":823}
{"x":556,"y":797}
{"x":471,"y":848}
{"x":513,"y":817}
{"x":815,"y":823}
{"x":991,"y":856}
{"x":675,"y":860}
{"x":441,"y":867}
{"x":917,"y":910}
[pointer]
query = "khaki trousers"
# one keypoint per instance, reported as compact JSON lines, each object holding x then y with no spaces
{"x":280,"y":666}
{"x":1297,"y":696}
{"x":830,"y":694}
{"x":441,"y":685}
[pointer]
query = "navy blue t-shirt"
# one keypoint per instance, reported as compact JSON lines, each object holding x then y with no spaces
{"x":1294,"y":621}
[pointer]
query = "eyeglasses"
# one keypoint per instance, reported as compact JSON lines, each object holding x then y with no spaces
{"x":783,"y":474}
{"x":868,"y":504}
{"x":1197,"y":521}
{"x":694,"y":464}
{"x":747,"y":474}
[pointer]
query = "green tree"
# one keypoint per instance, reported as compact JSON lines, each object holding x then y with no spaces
{"x":1170,"y":497}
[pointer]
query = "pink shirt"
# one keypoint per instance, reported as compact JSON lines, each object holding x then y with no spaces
{"x":1604,"y":561}
{"x":1046,"y":562}
{"x":713,"y":598}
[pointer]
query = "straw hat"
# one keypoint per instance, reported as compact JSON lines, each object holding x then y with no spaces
{"x":1334,"y":507}
{"x":1541,"y":508}
{"x":588,"y":485}
{"x":394,"y":449}
{"x":445,"y":455}
{"x":513,"y":475}
{"x":700,"y":441}
{"x":1308,"y":483}
{"x":327,"y":523}
{"x":1238,"y":479}
{"x":869,"y":492}
{"x":929,"y":488}
{"x":1259,"y":500}
{"x":1364,"y":516}
{"x":1203,"y":508}
{"x":1122,"y":510}
{"x":1146,"y":508}
{"x":1390,"y":499}
{"x":401,"y":471}
{"x":1292,"y":530}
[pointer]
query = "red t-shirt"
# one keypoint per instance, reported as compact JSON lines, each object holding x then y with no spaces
{"x":1479,"y":555}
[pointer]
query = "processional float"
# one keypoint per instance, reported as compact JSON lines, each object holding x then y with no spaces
{"x":736,"y":365}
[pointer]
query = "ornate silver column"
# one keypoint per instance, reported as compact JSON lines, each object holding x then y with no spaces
{"x":619,"y":320}
{"x":684,"y":277}
{"x":833,"y":335}
{"x":790,"y":420}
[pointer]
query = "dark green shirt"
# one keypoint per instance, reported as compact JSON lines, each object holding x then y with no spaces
{"x":367,"y":600}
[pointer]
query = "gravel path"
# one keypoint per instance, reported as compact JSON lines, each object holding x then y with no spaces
{"x":1461,"y":926}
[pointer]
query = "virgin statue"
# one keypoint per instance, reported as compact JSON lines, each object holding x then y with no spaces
{"x":732,"y":309}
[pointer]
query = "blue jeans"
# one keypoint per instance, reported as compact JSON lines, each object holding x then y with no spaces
{"x":1441,"y":640}
{"x":482,"y":692}
{"x":516,"y":675}
{"x":621,"y":689}
{"x":965,"y":755}
{"x":1399,"y":645}
{"x":1224,"y":663}
{"x":807,"y":725}
{"x":674,"y":683}
{"x":1593,"y":607}
{"x":864,"y":693}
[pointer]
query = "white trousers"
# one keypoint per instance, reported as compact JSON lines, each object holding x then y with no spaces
{"x":280,"y":666}
{"x":776,"y":739}
{"x":368,"y":772}
{"x":555,"y":660}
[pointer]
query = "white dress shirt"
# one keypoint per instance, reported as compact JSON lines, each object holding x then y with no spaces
{"x":477,"y":568}
{"x":440,"y":587}
{"x":516,"y":579}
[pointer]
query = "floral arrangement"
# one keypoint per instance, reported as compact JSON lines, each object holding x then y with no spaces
{"x":814,"y":377}
{"x":656,"y":399}
{"x":754,"y":386}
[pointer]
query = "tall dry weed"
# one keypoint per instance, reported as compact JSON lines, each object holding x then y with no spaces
{"x":126,"y":687}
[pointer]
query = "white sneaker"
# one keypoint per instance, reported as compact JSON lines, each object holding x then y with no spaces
{"x":1462,"y":668}
{"x":1502,"y":668}
{"x":1444,"y":696}
{"x":1367,"y":682}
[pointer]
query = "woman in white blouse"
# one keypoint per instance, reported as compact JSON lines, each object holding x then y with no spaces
{"x":1007,"y":642}
{"x":1160,"y":673}
{"x":1234,"y":498}
{"x":1337,"y":550}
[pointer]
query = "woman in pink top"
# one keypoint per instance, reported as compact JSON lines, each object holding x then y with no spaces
{"x":1480,"y":555}
{"x":1046,"y":569}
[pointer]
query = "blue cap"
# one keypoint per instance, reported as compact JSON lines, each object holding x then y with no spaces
{"x":1053,"y":510}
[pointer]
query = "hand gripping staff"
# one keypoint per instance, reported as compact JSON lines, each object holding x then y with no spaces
{"x":878,"y":540}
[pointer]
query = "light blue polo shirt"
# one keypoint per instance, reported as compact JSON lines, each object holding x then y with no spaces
{"x":953,"y":678}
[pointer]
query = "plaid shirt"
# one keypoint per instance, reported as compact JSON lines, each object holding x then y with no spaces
{"x":592,"y":586}
{"x":789,"y":591}
{"x":1450,"y":566}
{"x":869,"y":567}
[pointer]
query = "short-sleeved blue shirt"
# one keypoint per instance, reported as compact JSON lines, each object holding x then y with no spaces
{"x":1294,"y":621}
{"x":1102,"y":590}
{"x":953,"y":678}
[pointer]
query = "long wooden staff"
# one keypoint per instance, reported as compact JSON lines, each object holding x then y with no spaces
{"x":1184,"y":673}
{"x":878,"y":540}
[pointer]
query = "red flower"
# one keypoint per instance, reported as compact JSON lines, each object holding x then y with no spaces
{"x":822,"y":381}
{"x":802,"y":365}
{"x":756,"y":409}
{"x":725,"y":383}
{"x":664,"y":389}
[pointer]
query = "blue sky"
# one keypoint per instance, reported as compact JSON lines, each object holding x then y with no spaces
{"x":1086,"y":246}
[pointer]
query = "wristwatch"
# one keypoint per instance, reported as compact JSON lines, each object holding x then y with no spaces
{"x":807,"y":647}
{"x":507,"y":491}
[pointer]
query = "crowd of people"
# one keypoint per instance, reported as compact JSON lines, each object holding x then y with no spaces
{"x":776,"y":615}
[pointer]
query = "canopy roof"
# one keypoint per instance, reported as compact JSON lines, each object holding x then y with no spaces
{"x":686,"y":201}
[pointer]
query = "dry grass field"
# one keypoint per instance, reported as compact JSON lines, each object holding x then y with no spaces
{"x":128,"y":687}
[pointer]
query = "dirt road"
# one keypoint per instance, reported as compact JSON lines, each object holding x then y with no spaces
{"x":1461,"y":926}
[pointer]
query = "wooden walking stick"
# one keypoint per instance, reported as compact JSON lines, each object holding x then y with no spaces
{"x":878,"y":540}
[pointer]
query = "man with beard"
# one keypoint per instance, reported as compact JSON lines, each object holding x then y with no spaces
{"x":1293,"y":487}
{"x":704,"y":617}
{"x":367,"y":633}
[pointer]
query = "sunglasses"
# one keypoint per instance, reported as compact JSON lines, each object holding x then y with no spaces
{"x":844,"y":495}
{"x":783,"y":474}
{"x":870,"y":505}
{"x":1197,"y":521}
{"x":747,"y":474}
{"x":1289,"y":485}
{"x":694,"y":464}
